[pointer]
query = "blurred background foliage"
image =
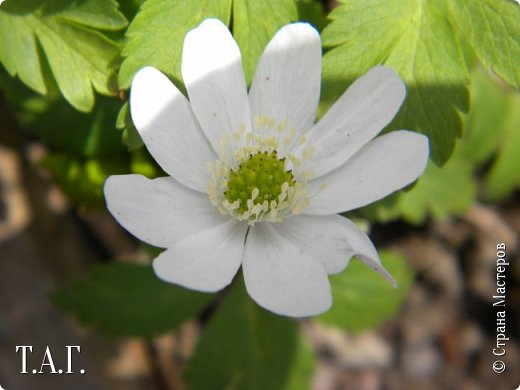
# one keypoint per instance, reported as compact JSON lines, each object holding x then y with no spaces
{"x":66,"y":67}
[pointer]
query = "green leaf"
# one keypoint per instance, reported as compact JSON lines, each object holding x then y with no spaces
{"x":130,"y":7}
{"x":245,"y":347}
{"x":123,"y":299}
{"x":363,"y":299}
{"x":61,"y":36}
{"x":82,"y":179}
{"x":91,"y":135}
{"x":302,"y":367}
{"x":440,"y":192}
{"x":504,"y":175}
{"x":131,"y":137}
{"x":493,"y":29}
{"x":491,"y":139}
{"x":414,"y":38}
{"x":142,"y":163}
{"x":65,"y":129}
{"x":254,"y":24}
{"x":484,"y":126}
{"x":312,"y":11}
{"x":62,"y":127}
{"x":156,"y":35}
{"x":492,"y":134}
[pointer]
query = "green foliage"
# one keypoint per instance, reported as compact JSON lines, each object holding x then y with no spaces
{"x":440,"y":192}
{"x":365,"y":34}
{"x":156,"y":35}
{"x":254,"y":24}
{"x":245,"y":347}
{"x":78,"y":134}
{"x":493,"y":134}
{"x":61,"y":38}
{"x":155,"y":38}
{"x":61,"y":126}
{"x":131,"y":137}
{"x":85,"y":148}
{"x":130,"y":7}
{"x":504,"y":176}
{"x":483,"y":125}
{"x":82,"y":179}
{"x":492,"y":27}
{"x":414,"y":38}
{"x":123,"y":299}
{"x":491,"y":138}
{"x":363,"y":299}
{"x":302,"y":366}
{"x":312,"y":11}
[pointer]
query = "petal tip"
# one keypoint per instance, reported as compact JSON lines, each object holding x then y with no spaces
{"x":302,"y":28}
{"x":143,"y":75}
{"x":389,"y":75}
{"x":424,"y":150}
{"x":206,"y":28}
{"x":114,"y":182}
{"x":375,"y":264}
{"x":212,"y":23}
{"x":390,"y":279}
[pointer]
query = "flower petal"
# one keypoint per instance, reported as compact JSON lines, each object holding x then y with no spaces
{"x":160,"y":212}
{"x":281,"y":277}
{"x":205,"y":261}
{"x":332,"y":240}
{"x":381,"y":167}
{"x":286,"y":87}
{"x":213,"y":74}
{"x":164,"y":119}
{"x":365,"y":108}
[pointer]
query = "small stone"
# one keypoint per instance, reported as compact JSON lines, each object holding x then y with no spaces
{"x":420,"y":360}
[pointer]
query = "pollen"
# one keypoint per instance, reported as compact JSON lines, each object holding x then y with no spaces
{"x":259,"y":181}
{"x":254,"y":178}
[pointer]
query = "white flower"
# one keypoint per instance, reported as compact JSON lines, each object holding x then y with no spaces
{"x":253,"y":180}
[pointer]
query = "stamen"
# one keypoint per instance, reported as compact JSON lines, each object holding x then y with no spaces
{"x":251,"y":182}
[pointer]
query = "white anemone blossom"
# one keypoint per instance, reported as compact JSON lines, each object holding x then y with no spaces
{"x":254,"y":181}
